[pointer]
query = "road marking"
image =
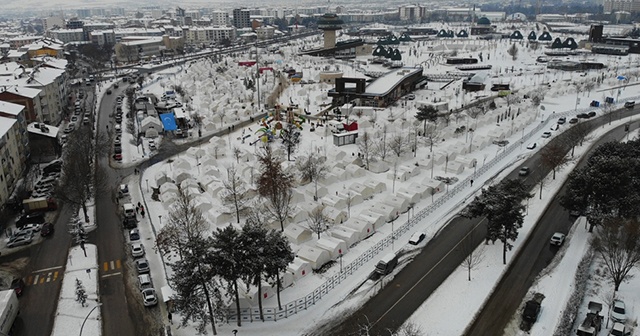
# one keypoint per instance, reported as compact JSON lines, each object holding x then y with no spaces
{"x":35,"y":279}
{"x":118,"y":264}
{"x":111,"y":263}
{"x":55,"y":276}
{"x":42,"y":280}
{"x":47,"y":269}
{"x":106,"y":266}
{"x":29,"y":279}
{"x":49,"y":277}
{"x":431,"y":269}
{"x":110,"y":275}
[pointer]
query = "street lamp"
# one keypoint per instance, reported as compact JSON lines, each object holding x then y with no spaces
{"x":160,"y":218}
{"x":85,"y":319}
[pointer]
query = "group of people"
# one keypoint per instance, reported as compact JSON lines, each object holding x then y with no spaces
{"x":140,"y":209}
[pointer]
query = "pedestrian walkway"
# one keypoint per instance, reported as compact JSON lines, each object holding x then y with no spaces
{"x":43,"y":276}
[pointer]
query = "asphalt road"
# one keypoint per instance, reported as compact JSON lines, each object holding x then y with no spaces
{"x":414,"y":284}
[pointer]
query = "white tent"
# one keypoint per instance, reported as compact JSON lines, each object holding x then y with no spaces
{"x":297,"y":234}
{"x":389,"y":212}
{"x":400,"y":204}
{"x":335,"y":216}
{"x":296,"y":197}
{"x":378,"y":167}
{"x":299,"y":268}
{"x":309,"y":206}
{"x":189,"y":183}
{"x":180,"y":175}
{"x":207,"y":162}
{"x":181,"y":163}
{"x":169,"y":188}
{"x":202,"y":204}
{"x":376,"y":219}
{"x":328,"y":179}
{"x":365,"y":191}
{"x":454,"y":167}
{"x":316,"y":257}
{"x":361,"y":226}
{"x":413,"y":170}
{"x":346,"y":234}
{"x":192,"y":192}
{"x":417,"y":188}
{"x":168,"y":200}
{"x":411,"y":196}
{"x":161,"y":178}
{"x":286,"y":279}
{"x":438,"y":186}
{"x":219,"y":218}
{"x":351,"y":197}
{"x":298,"y":216}
{"x":212,"y":171}
{"x":334,"y":201}
{"x":377,"y":186}
{"x":196,"y":152}
{"x":355,"y":171}
{"x":340,"y":173}
{"x":334,"y":246}
{"x":399,"y":175}
{"x":250,"y":295}
{"x":468,"y":162}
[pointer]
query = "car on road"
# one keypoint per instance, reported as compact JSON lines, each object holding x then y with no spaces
{"x":109,"y":91}
{"x":618,"y":312}
{"x":18,"y":286}
{"x":137,"y":250}
{"x":546,"y":135}
{"x":142,"y":266}
{"x":416,"y":238}
{"x":558,"y":239}
{"x":144,"y":281}
{"x":47,"y":229}
{"x":591,"y":114}
{"x":149,"y":297}
{"x":532,"y":146}
{"x":524,"y":171}
{"x":630,"y":104}
{"x":562,"y":120}
{"x":20,"y":241}
{"x":134,"y":234}
{"x":573,"y":120}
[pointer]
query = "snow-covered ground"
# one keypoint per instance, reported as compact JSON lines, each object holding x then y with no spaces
{"x":215,"y":97}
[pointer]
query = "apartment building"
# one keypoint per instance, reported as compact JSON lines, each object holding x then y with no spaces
{"x":241,"y":18}
{"x":14,"y":147}
{"x":631,"y":6}
{"x":67,"y":35}
{"x":199,"y":35}
{"x":27,"y":97}
{"x":219,"y":18}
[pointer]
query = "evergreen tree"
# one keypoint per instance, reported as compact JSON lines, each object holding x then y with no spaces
{"x":426,"y":113}
{"x":229,"y":261}
{"x":253,"y":242}
{"x":277,"y":255}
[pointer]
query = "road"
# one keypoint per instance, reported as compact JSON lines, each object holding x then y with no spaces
{"x":414,"y":284}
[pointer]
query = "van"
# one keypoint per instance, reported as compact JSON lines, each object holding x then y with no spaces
{"x":630,"y":104}
{"x":387,"y":264}
{"x":335,"y":126}
{"x":129,"y":210}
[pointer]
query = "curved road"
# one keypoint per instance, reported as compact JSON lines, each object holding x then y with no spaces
{"x":395,"y":303}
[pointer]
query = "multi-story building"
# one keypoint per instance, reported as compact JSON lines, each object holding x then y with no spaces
{"x":199,"y":35}
{"x":120,"y":34}
{"x":68,"y":35}
{"x":14,"y":147}
{"x":52,"y":22}
{"x":265,"y":32}
{"x":412,"y":13}
{"x":27,"y":97}
{"x":219,"y":18}
{"x":102,"y":37}
{"x":90,"y":27}
{"x":117,"y":11}
{"x":241,"y":18}
{"x":631,"y":6}
{"x":135,"y":48}
{"x":75,"y":24}
{"x":20,"y":41}
{"x":83,"y":13}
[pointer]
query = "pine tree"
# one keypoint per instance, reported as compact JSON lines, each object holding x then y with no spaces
{"x":229,"y":261}
{"x":253,"y":242}
{"x":278,"y":256}
{"x":427,"y":113}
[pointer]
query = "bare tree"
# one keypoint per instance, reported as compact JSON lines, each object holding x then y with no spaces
{"x":349,"y":201}
{"x":317,"y":221}
{"x":589,"y":86}
{"x":409,"y":329}
{"x":236,"y":154}
{"x":313,"y":169}
{"x":235,"y":192}
{"x":609,"y":110}
{"x":617,"y":241}
{"x":513,"y":52}
{"x":554,"y":156}
{"x":578,"y":134}
{"x":381,"y":146}
{"x":398,"y":145}
{"x":431,"y":135}
{"x":366,"y":147}
{"x":475,"y":255}
{"x":275,"y":186}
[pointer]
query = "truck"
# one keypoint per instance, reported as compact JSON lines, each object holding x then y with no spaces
{"x":335,"y":126}
{"x":39,"y":204}
{"x":593,"y":322}
{"x":387,"y":264}
{"x":9,"y":309}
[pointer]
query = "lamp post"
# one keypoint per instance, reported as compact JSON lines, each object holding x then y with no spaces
{"x":160,"y":218}
{"x":85,"y":319}
{"x":147,"y":184}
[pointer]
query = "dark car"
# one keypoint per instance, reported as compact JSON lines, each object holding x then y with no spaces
{"x":109,"y":91}
{"x":18,"y":286}
{"x":573,"y":120}
{"x":591,"y":114}
{"x":52,"y":167}
{"x":531,"y":311}
{"x":582,"y":115}
{"x":32,"y":218}
{"x":46,"y":230}
{"x":117,"y":157}
{"x":117,"y":149}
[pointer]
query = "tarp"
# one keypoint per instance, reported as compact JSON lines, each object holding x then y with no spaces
{"x":168,"y":121}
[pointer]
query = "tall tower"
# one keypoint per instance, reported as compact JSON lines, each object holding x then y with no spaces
{"x":329,"y":23}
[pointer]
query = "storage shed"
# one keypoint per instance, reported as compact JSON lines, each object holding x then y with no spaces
{"x":316,"y":256}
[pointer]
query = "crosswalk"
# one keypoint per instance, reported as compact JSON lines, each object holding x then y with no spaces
{"x":43,"y":276}
{"x":111,"y":268}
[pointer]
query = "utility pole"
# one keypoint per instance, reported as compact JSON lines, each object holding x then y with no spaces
{"x":258,"y":75}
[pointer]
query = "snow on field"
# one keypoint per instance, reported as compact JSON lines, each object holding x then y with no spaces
{"x":221,"y":99}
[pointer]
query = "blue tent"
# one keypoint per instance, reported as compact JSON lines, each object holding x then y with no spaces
{"x":169,"y":121}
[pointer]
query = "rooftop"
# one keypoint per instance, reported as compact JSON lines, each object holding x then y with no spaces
{"x":10,"y":108}
{"x":6,"y":124}
{"x":21,"y":91}
{"x":385,"y":83}
{"x":49,"y":131}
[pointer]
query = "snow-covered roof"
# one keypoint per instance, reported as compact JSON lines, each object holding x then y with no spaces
{"x":10,"y":108}
{"x":5,"y":125}
{"x":385,"y":83}
{"x":49,"y":131}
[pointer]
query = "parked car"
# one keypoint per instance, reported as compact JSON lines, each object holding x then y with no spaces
{"x":85,"y":120}
{"x":582,"y":115}
{"x":149,"y":297}
{"x":137,"y":250}
{"x":134,"y":234}
{"x":144,"y":281}
{"x":524,"y":171}
{"x":531,"y":311}
{"x":416,"y":238}
{"x":117,"y":149}
{"x":152,"y":144}
{"x":142,"y":266}
{"x":532,"y":146}
{"x":630,"y":104}
{"x":33,"y":227}
{"x":591,"y":114}
{"x":109,"y":91}
{"x":47,"y":229}
{"x":546,"y":134}
{"x":411,"y":96}
{"x":34,"y":217}
{"x":619,"y":329}
{"x":562,"y":120}
{"x":557,"y":239}
{"x":18,"y":286}
{"x":24,"y":240}
{"x":117,"y":157}
{"x":573,"y":121}
{"x":618,"y":312}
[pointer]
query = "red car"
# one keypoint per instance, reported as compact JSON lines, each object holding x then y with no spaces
{"x":18,"y":286}
{"x":117,"y":157}
{"x":46,"y":230}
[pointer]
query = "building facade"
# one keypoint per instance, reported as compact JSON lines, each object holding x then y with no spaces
{"x":241,"y":18}
{"x":14,"y":147}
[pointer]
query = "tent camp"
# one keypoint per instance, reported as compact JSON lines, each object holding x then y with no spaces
{"x":335,"y":216}
{"x":365,"y":191}
{"x":377,"y":186}
{"x":346,"y":234}
{"x":168,"y":200}
{"x":189,"y":183}
{"x":334,"y":246}
{"x":297,"y":234}
{"x":201,"y":203}
{"x":334,"y":201}
{"x":299,"y":268}
{"x":376,"y":219}
{"x":351,"y":198}
{"x":169,"y":188}
{"x":316,"y":256}
{"x":180,"y":175}
{"x":400,"y":204}
{"x":389,"y":212}
{"x":298,"y":215}
{"x":361,"y":226}
{"x":161,"y":178}
{"x":355,"y":171}
{"x":411,"y":196}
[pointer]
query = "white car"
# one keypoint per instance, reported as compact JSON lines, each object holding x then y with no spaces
{"x":137,"y":250}
{"x":532,"y":146}
{"x":142,"y":265}
{"x":619,"y":329}
{"x":618,"y":312}
{"x":152,"y":144}
{"x":416,"y":238}
{"x":22,"y":240}
{"x":144,"y":281}
{"x":558,"y":239}
{"x":149,"y":297}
